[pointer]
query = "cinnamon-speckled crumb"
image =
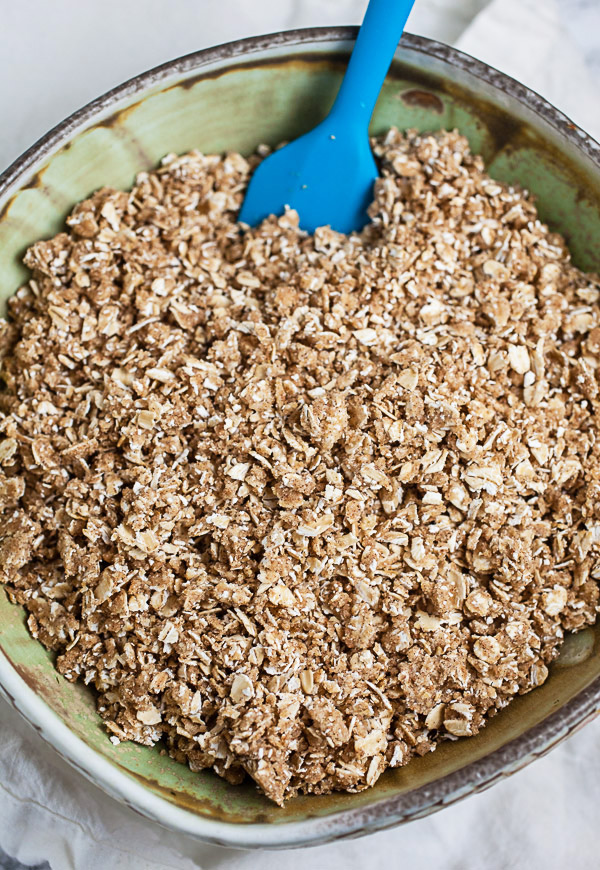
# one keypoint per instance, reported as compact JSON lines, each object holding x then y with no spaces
{"x":303,"y":506}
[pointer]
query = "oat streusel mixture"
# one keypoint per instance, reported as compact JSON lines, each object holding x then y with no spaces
{"x":303,"y":506}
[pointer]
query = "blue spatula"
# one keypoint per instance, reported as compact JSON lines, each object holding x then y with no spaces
{"x":327,"y":175}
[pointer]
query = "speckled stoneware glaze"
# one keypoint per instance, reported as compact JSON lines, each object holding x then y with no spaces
{"x":234,"y":97}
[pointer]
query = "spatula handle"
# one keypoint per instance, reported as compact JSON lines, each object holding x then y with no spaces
{"x":373,"y":52}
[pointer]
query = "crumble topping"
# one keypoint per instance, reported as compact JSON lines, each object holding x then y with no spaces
{"x":303,"y":506}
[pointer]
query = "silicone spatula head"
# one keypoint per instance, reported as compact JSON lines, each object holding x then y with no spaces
{"x":327,"y":175}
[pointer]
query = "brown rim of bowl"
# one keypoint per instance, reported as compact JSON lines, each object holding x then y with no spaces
{"x":516,"y":753}
{"x":243,"y":48}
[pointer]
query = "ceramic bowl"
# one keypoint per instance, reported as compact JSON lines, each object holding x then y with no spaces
{"x":234,"y":97}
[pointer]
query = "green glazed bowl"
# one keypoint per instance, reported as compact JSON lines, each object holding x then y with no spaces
{"x":234,"y":97}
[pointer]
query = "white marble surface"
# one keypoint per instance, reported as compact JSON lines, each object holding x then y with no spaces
{"x":55,"y":56}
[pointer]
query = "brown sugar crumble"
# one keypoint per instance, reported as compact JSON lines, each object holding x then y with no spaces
{"x":303,"y":506}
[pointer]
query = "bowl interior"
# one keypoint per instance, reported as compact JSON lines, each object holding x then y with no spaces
{"x":270,"y":95}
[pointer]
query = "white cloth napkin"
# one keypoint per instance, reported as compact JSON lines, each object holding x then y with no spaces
{"x":553,"y":47}
{"x":543,"y":817}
